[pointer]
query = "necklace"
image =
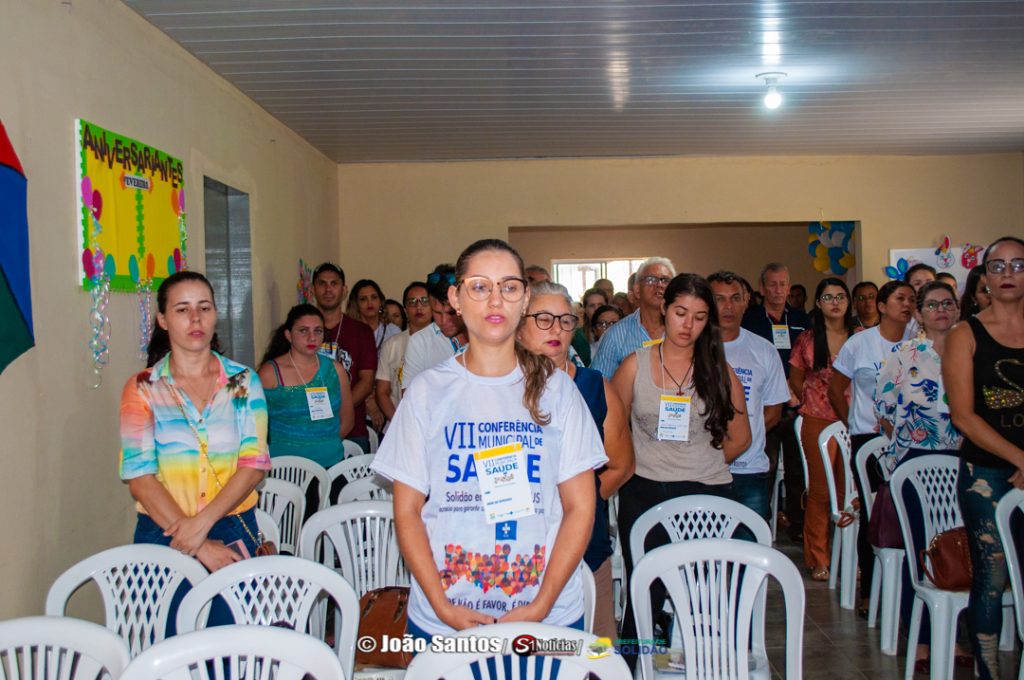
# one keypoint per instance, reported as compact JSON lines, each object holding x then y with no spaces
{"x":664,"y":371}
{"x":297,"y":371}
{"x":189,"y":384}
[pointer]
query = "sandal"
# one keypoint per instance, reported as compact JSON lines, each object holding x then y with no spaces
{"x":819,"y":574}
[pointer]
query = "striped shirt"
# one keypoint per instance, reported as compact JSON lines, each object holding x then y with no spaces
{"x":618,"y":342}
{"x":156,"y":438}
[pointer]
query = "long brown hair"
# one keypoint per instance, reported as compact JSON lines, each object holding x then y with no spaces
{"x":536,"y":368}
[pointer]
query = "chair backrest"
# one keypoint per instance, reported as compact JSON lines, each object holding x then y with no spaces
{"x":837,"y":431}
{"x":279,"y":589}
{"x":286,"y":503}
{"x":513,"y":664}
{"x":873,"y":449}
{"x":366,"y":489}
{"x":714,"y":585}
{"x":137,"y":583}
{"x":1013,"y":501}
{"x":268,"y":527}
{"x":362,"y":535}
{"x":352,"y":468}
{"x":237,"y":653}
{"x":59,"y":648}
{"x":371,"y":434}
{"x":589,"y":597}
{"x":932,"y":479}
{"x":302,"y":471}
{"x":699,"y":516}
{"x":351,"y":448}
{"x":798,"y":425}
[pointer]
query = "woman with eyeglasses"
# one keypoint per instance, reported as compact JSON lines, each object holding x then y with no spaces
{"x":913,"y":409}
{"x":603,"y":318}
{"x":388,"y":385}
{"x":547,"y":329}
{"x":492,"y":454}
{"x":865,"y":311}
{"x":308,"y":394}
{"x":982,"y":372}
{"x":856,"y":370}
{"x":810,"y":369}
{"x":688,"y":413}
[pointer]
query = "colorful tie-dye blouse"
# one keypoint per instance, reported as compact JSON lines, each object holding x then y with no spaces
{"x":911,"y":396}
{"x":156,"y":438}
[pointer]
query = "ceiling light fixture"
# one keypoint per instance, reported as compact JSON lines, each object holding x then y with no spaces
{"x":773,"y":99}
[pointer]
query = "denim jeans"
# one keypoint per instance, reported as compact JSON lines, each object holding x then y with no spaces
{"x":227,"y":529}
{"x":979,"y":490}
{"x":754,"y":491}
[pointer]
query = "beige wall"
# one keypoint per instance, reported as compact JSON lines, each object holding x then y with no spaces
{"x":700,"y":248}
{"x":98,"y":60}
{"x":399,"y":220}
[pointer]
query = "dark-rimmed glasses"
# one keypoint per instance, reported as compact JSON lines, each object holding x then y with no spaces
{"x":829,"y":297}
{"x":947,"y":305}
{"x":545,"y":320}
{"x":655,"y":280}
{"x":479,"y":288}
{"x":423,"y":301}
{"x":1016,"y":266}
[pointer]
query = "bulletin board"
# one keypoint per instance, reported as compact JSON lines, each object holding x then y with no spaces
{"x":956,"y":260}
{"x":131,"y":205}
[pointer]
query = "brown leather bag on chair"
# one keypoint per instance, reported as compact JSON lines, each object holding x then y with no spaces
{"x":384,"y":611}
{"x":950,"y":560}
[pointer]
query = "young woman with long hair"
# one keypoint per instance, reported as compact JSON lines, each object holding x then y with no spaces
{"x":366,"y":304}
{"x":686,"y":375}
{"x":492,"y":454}
{"x":809,"y":374}
{"x":981,"y":369}
{"x":976,"y":297}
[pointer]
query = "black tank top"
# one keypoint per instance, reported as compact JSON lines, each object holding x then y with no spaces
{"x":998,"y":394}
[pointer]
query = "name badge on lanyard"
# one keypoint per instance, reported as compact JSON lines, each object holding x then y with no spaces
{"x":780,"y":335}
{"x":504,"y":485}
{"x":319,"y":403}
{"x":674,"y":418}
{"x":652,"y":343}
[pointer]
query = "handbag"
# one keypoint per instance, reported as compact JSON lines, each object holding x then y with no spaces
{"x":384,"y":611}
{"x":884,"y":526}
{"x":950,"y":560}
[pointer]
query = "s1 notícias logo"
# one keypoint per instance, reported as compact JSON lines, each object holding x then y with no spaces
{"x":525,"y":645}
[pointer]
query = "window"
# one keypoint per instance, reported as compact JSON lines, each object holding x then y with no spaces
{"x":579,"y":276}
{"x":229,"y":267}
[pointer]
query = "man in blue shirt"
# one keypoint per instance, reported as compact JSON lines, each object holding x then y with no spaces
{"x":643,"y":327}
{"x":780,"y":324}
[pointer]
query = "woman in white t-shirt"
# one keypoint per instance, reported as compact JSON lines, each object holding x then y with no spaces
{"x":492,"y":454}
{"x":857,"y":367}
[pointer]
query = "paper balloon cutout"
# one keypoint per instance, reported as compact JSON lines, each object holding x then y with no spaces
{"x":109,"y":266}
{"x":97,"y":204}
{"x":177,"y":260}
{"x":899,"y":272}
{"x":969,"y":258}
{"x":87,"y":191}
{"x":133,"y":268}
{"x":90,"y":270}
{"x":150,"y":265}
{"x":829,"y":244}
{"x":944,"y":256}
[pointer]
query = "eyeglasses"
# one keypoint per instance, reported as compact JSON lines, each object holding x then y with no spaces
{"x":655,"y":280}
{"x":479,"y":288}
{"x":434,"y":278}
{"x":418,"y":302}
{"x":947,"y":305}
{"x":604,"y":325}
{"x":829,"y":297}
{"x":865,"y":298}
{"x":545,"y":320}
{"x":1016,"y":265}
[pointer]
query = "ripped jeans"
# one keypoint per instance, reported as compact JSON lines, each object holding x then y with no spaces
{"x":979,"y":490}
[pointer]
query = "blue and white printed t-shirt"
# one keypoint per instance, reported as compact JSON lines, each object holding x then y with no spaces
{"x":756,"y":363}
{"x":446,"y":415}
{"x":861,"y":360}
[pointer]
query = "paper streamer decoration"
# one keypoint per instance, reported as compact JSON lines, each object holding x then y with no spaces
{"x":829,"y":244}
{"x":304,"y":287}
{"x":17,"y":335}
{"x":99,"y":267}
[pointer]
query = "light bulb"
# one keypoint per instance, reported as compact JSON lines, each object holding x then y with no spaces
{"x":773,"y":99}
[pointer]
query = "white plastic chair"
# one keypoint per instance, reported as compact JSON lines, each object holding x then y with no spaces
{"x":352,"y":468}
{"x":268,"y":527}
{"x":137,"y":583}
{"x":715,"y":585}
{"x":279,"y":589}
{"x":618,"y":572}
{"x":286,"y":504}
{"x":1014,"y":500}
{"x":778,"y":489}
{"x":59,"y":648}
{"x":432,"y":665}
{"x":589,"y":597}
{"x":843,"y":565}
{"x":352,"y":449}
{"x":366,"y":489}
{"x":887,"y":579}
{"x":301,"y":472}
{"x":934,"y":480}
{"x":374,"y":439}
{"x":237,"y":653}
{"x":362,"y":535}
{"x":798,"y":425}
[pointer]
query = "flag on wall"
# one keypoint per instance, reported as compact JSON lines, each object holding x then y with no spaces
{"x":16,"y":333}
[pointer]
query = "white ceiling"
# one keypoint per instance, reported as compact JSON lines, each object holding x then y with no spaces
{"x":411,"y":80}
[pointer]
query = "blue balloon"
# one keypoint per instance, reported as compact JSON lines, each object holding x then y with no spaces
{"x":109,"y":266}
{"x":170,"y":265}
{"x":133,"y":268}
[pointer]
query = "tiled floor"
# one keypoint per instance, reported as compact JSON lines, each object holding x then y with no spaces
{"x":838,"y":645}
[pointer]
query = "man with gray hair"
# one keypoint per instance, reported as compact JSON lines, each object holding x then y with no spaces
{"x":645,"y":326}
{"x":780,"y":324}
